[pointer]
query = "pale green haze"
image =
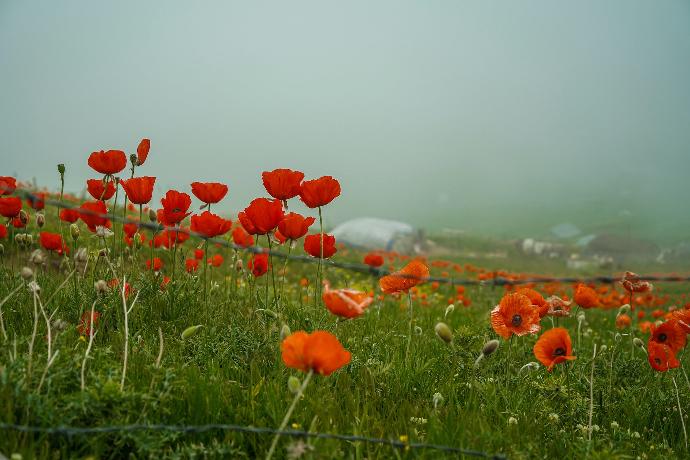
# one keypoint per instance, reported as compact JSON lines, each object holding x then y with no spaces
{"x":501,"y":117}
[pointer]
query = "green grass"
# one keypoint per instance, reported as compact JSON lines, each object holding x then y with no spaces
{"x":231,"y":372}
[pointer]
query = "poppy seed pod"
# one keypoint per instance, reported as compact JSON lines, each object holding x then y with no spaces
{"x":444,"y":332}
{"x":26,"y":273}
{"x":490,"y":347}
{"x":40,"y":220}
{"x":101,"y":287}
{"x":134,"y":160}
{"x":74,"y":231}
{"x":61,"y":168}
{"x":284,"y":332}
{"x":293,"y":384}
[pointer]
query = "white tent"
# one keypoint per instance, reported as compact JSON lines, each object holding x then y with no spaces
{"x":370,"y":233}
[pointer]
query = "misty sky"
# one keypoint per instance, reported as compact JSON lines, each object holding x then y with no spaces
{"x":421,"y":109}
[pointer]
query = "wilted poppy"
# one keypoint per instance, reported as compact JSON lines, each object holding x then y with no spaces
{"x":554,"y":347}
{"x":282,"y":184}
{"x":139,"y":190}
{"x":175,"y":206}
{"x":10,"y":206}
{"x":241,"y":238}
{"x":294,"y":226}
{"x":661,"y":357}
{"x":210,"y":225}
{"x":631,"y":282}
{"x":585,"y":296}
{"x":373,"y":260}
{"x":51,"y":241}
{"x":669,"y":333}
{"x":319,"y":192}
{"x":69,"y":215}
{"x":143,"y":151}
{"x":409,"y":276}
{"x":258,"y":264}
{"x":7,"y":185}
{"x":346,"y":303}
{"x":261,"y":216}
{"x":109,"y":163}
{"x":209,"y":192}
{"x":515,"y":314}
{"x":312,"y":245}
{"x":557,"y":306}
{"x":319,"y":351}
{"x":93,"y":214}
{"x":157,"y":264}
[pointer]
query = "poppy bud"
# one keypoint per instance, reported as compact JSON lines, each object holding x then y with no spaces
{"x":23,"y":217}
{"x":444,"y":332}
{"x":133,"y":158}
{"x":638,"y":342}
{"x":490,"y":347}
{"x":191,"y":331}
{"x":61,"y":168}
{"x":437,"y":399}
{"x":603,"y":349}
{"x":101,"y":287}
{"x":284,"y":332}
{"x":449,"y":309}
{"x":40,"y":220}
{"x":529,"y":367}
{"x":74,"y":231}
{"x":37,"y":257}
{"x":623,"y":309}
{"x":26,"y":273}
{"x":581,"y":317}
{"x":293,"y":384}
{"x":103,"y":252}
{"x":617,"y":337}
{"x":239,"y":265}
{"x":2,"y":250}
{"x":153,"y":217}
{"x":418,"y":330}
{"x":28,"y":239}
{"x":19,"y":239}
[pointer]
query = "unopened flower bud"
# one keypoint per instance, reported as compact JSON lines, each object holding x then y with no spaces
{"x":61,"y":168}
{"x":284,"y":332}
{"x":74,"y":231}
{"x":449,"y":309}
{"x":437,"y":400}
{"x":101,"y":287}
{"x":418,"y":330}
{"x":26,"y":273}
{"x":444,"y":332}
{"x":638,"y":342}
{"x":239,"y":265}
{"x":490,"y":347}
{"x":40,"y":220}
{"x":624,"y":309}
{"x":23,"y":217}
{"x":293,"y":384}
{"x":153,"y":217}
{"x":19,"y":239}
{"x":36,"y":257}
{"x":191,"y":331}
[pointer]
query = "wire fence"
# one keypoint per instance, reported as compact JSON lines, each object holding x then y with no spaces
{"x":190,"y":429}
{"x":494,"y":280}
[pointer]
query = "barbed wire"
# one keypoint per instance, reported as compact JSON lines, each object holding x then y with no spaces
{"x":494,"y":280}
{"x":72,"y":431}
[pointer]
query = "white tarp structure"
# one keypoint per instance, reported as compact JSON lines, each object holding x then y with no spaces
{"x":370,"y":233}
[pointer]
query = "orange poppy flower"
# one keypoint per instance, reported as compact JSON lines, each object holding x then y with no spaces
{"x":669,"y":333}
{"x":312,"y":245}
{"x":661,"y":357}
{"x":241,"y":238}
{"x":69,"y":215}
{"x":209,"y":192}
{"x":282,"y":184}
{"x":139,"y":190}
{"x":585,"y":296}
{"x":93,"y":214}
{"x":373,"y":260}
{"x":683,"y":318}
{"x":143,"y":151}
{"x":294,"y":226}
{"x":515,"y":314}
{"x":347,"y":303}
{"x":319,"y":351}
{"x":537,"y":300}
{"x":108,"y":163}
{"x":261,"y":216}
{"x":554,"y":347}
{"x":258,"y":264}
{"x":175,"y":206}
{"x":319,"y":192}
{"x":409,"y":276}
{"x":157,"y":264}
{"x":37,"y":201}
{"x":100,"y":191}
{"x":51,"y":242}
{"x":7,"y":185}
{"x":623,"y":321}
{"x":10,"y":206}
{"x":210,"y":225}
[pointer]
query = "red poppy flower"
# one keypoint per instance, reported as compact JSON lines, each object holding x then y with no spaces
{"x":585,"y":296}
{"x":130,"y":229}
{"x":373,"y":260}
{"x":554,"y":347}
{"x":115,"y":284}
{"x":37,"y":201}
{"x":109,"y":163}
{"x":10,"y":206}
{"x":537,"y":300}
{"x":51,"y":241}
{"x":312,"y":245}
{"x":294,"y":226}
{"x":319,"y":192}
{"x":143,"y":151}
{"x":282,"y":184}
{"x":258,"y":264}
{"x":241,"y":238}
{"x":7,"y":185}
{"x":669,"y":333}
{"x":86,"y":325}
{"x":175,"y":206}
{"x":215,"y":261}
{"x":17,"y":222}
{"x":683,"y":318}
{"x":346,"y":303}
{"x":661,"y":357}
{"x":129,"y":240}
{"x":319,"y":351}
{"x":93,"y":214}
{"x":409,"y":276}
{"x":191,"y":265}
{"x":261,"y":216}
{"x":515,"y":314}
{"x":209,"y":192}
{"x":69,"y":215}
{"x":99,"y":191}
{"x":169,"y":238}
{"x":3,"y":231}
{"x":210,"y":225}
{"x":139,"y":190}
{"x":198,"y":254}
{"x":157,"y":264}
{"x":279,"y":237}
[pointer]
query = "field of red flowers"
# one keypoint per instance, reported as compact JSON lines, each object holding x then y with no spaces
{"x":118,"y":310}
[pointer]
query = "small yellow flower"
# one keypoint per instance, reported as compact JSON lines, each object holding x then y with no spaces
{"x":82,"y":338}
{"x":295,"y":426}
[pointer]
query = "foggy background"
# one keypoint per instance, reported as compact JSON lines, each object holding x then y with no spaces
{"x":500,"y":117}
